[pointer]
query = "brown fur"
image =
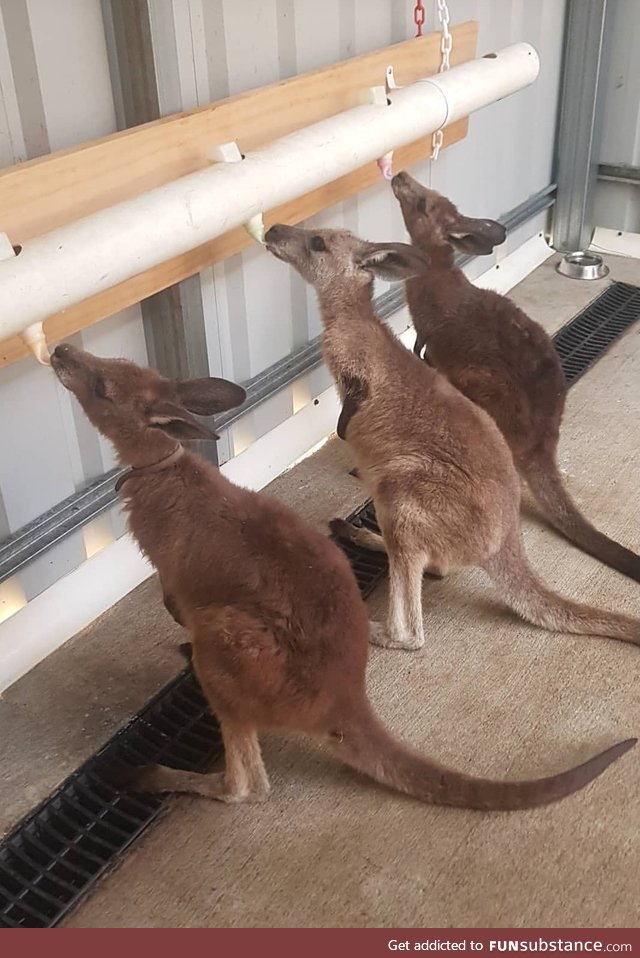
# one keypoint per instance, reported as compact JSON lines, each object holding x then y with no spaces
{"x":279,"y":632}
{"x":498,"y":357}
{"x":438,"y":469}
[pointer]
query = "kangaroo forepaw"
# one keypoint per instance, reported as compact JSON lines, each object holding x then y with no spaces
{"x":214,"y":785}
{"x":137,"y":778}
{"x":124,"y":776}
{"x":341,"y":529}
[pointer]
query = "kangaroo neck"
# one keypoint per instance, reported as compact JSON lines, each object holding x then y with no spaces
{"x":352,"y":333}
{"x":342,"y":306}
{"x":436,"y":296}
{"x":136,"y":472}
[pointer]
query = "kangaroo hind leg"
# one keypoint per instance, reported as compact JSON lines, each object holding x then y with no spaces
{"x":243,"y":780}
{"x":404,"y":628}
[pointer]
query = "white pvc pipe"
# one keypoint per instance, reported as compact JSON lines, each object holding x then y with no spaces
{"x":68,"y":265}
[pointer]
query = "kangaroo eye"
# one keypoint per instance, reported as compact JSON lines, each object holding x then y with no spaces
{"x":317,"y":244}
{"x":421,"y":205}
{"x":99,"y":388}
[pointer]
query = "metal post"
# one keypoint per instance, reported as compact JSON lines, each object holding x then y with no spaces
{"x":579,"y":135}
{"x":146,"y":86}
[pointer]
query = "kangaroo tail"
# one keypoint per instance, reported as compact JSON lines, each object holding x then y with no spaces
{"x":547,"y":486}
{"x":527,"y":595}
{"x":369,"y":747}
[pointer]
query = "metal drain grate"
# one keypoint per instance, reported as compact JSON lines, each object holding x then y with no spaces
{"x":55,"y":855}
{"x":51,"y":859}
{"x":582,"y":342}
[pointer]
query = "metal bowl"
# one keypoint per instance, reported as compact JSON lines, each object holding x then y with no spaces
{"x":582,"y":266}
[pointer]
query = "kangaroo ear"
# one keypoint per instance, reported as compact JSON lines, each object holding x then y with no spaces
{"x":208,"y":396}
{"x":475,"y":236}
{"x":392,"y":261}
{"x":177,"y":422}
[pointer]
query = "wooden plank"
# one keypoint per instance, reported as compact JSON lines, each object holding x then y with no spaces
{"x":48,"y":192}
{"x":51,"y":191}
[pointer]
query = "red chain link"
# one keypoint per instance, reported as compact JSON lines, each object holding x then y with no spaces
{"x":419,"y":17}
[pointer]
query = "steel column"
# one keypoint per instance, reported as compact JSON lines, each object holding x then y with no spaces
{"x":579,"y":129}
{"x":146,"y":84}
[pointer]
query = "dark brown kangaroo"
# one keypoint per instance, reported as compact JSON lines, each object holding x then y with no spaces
{"x":497,"y":356}
{"x":279,"y":631}
{"x":436,"y":465}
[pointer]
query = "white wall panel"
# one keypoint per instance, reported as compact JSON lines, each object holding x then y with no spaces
{"x":12,"y":145}
{"x":251,"y":44}
{"x":55,"y":92}
{"x":71,"y":55}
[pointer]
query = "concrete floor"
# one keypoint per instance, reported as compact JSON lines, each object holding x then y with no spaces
{"x":487,"y":693}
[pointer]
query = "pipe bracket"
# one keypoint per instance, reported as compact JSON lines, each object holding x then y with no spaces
{"x":226,"y":153}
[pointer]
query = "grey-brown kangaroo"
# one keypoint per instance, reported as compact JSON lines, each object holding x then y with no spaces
{"x":279,"y":631}
{"x":496,"y":355}
{"x":441,"y":476}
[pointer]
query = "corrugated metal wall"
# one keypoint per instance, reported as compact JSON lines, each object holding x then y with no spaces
{"x":55,"y":91}
{"x":618,"y":204}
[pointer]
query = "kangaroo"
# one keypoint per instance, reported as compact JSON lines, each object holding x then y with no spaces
{"x":279,"y":632}
{"x":441,"y":476}
{"x":497,"y":356}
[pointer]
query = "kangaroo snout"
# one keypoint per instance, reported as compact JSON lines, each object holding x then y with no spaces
{"x":66,"y":361}
{"x":65,"y":351}
{"x":70,"y":357}
{"x":400,"y":183}
{"x":279,"y":234}
{"x":404,"y":187}
{"x":281,"y":240}
{"x":276,"y":232}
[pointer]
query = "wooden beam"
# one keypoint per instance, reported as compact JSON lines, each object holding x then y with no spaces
{"x":49,"y":192}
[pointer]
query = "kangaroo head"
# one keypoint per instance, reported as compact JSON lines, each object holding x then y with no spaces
{"x":136,"y":408}
{"x":335,"y":260}
{"x":432,"y":220}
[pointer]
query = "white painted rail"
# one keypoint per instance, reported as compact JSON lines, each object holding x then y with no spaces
{"x":68,"y":265}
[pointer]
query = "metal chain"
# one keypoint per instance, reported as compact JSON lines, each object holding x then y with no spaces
{"x":419,"y":17}
{"x":446,"y":43}
{"x":436,"y":144}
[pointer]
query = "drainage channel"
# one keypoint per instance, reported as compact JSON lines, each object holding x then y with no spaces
{"x":587,"y":337}
{"x":55,"y":855}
